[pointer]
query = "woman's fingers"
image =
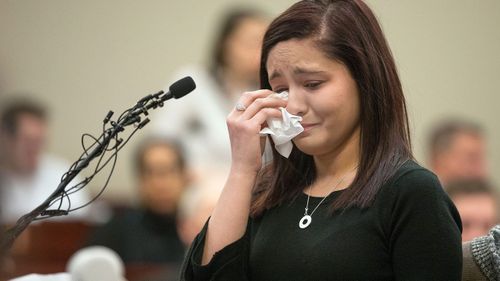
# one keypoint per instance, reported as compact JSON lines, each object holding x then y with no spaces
{"x":252,"y":126}
{"x":247,"y":99}
{"x":262,"y":103}
{"x":255,"y":107}
{"x":244,"y":124}
{"x":264,"y":114}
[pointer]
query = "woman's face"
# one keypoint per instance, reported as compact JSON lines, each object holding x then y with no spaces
{"x":321,"y":91}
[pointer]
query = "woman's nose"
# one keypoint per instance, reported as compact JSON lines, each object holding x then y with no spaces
{"x":296,"y":103}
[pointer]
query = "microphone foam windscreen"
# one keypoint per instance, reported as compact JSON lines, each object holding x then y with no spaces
{"x":96,"y":263}
{"x":182,"y":87}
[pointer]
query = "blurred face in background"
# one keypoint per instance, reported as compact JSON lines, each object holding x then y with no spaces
{"x":23,"y":149}
{"x":242,"y":48}
{"x":465,"y":158}
{"x":162,"y":180}
{"x":478,"y":213}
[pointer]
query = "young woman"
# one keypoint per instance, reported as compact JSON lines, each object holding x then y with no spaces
{"x":349,"y":203}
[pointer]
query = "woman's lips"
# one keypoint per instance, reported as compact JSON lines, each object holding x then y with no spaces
{"x":308,"y":126}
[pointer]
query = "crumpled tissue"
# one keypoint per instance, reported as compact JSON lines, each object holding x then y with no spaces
{"x":283,"y":130}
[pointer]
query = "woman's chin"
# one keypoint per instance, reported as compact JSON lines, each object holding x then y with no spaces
{"x":306,"y":144}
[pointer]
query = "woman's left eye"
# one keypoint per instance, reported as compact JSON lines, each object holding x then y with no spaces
{"x":312,"y":85}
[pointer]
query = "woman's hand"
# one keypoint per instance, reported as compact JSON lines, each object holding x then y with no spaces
{"x":244,"y":127}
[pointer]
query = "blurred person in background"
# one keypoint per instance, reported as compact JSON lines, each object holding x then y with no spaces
{"x":199,"y":118}
{"x":28,"y":174}
{"x":482,"y":257}
{"x":457,"y":150}
{"x":148,"y":234}
{"x":478,"y":205}
{"x":195,"y":206}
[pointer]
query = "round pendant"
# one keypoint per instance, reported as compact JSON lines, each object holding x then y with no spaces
{"x":305,"y":221}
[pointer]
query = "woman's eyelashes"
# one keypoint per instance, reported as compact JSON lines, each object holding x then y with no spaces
{"x":279,"y":90}
{"x":308,"y":85}
{"x":312,"y":85}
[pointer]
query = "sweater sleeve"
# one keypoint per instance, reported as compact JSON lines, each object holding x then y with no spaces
{"x":470,"y":271}
{"x":425,"y":229}
{"x":230,"y":263}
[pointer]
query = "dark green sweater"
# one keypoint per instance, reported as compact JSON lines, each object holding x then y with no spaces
{"x":411,"y":232}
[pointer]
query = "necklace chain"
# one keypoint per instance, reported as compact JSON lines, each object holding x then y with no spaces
{"x":307,"y":219}
{"x":308,"y":196}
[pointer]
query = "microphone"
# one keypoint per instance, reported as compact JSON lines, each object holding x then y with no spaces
{"x":101,"y":145}
{"x":177,"y":90}
{"x":180,"y":88}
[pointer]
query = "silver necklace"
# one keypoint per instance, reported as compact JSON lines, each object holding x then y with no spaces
{"x":306,"y":220}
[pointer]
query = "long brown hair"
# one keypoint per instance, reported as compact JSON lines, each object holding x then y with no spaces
{"x":346,"y":31}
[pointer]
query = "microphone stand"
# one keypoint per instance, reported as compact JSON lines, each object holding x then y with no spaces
{"x":129,"y":117}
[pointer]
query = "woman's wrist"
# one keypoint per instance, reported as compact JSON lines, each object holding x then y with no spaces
{"x":243,"y":171}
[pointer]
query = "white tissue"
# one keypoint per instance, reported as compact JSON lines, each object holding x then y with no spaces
{"x":283,"y":130}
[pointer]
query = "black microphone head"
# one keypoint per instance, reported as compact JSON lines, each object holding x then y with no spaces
{"x":182,"y":87}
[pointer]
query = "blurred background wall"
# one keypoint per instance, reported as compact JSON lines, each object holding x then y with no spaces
{"x":83,"y":58}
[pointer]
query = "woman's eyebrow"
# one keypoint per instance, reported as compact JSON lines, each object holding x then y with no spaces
{"x":296,"y":71}
{"x":302,"y":70}
{"x":274,"y":75}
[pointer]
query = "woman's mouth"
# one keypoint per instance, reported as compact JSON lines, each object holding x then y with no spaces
{"x":308,"y":126}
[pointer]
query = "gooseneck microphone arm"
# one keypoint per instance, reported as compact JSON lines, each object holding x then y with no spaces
{"x":133,"y":116}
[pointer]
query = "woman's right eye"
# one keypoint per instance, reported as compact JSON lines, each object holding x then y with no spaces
{"x":313,"y":85}
{"x":279,"y":90}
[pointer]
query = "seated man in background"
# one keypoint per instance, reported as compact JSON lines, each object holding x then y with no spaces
{"x":29,"y":175}
{"x":148,"y":234}
{"x":457,"y":150}
{"x":477,"y":203}
{"x":482,"y":257}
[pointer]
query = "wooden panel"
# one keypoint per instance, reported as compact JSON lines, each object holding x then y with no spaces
{"x":46,"y":247}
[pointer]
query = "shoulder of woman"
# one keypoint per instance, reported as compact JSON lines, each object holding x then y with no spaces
{"x":415,"y":197}
{"x":413,"y":181}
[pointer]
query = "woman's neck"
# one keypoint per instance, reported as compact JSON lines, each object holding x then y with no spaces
{"x":339,"y":164}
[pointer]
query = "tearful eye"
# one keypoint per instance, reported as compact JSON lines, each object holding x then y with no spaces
{"x":279,"y":90}
{"x":312,"y":85}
